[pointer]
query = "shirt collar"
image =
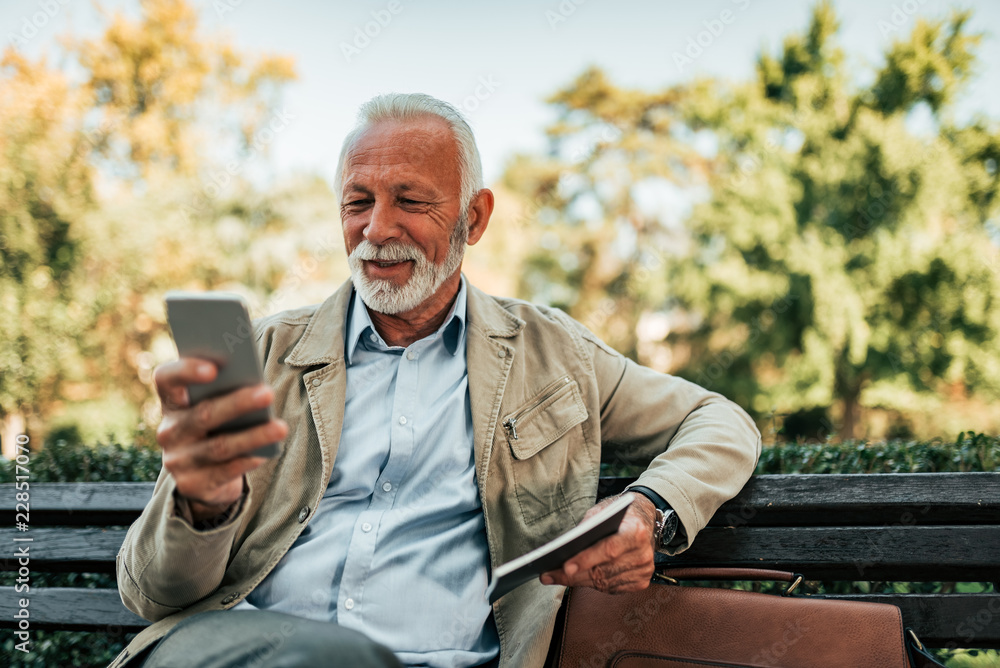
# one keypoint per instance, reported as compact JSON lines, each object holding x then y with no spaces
{"x":452,"y":330}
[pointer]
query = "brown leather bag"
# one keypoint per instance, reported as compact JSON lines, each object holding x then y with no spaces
{"x":671,"y":626}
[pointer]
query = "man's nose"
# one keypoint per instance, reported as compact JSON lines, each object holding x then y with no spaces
{"x":383,"y":225}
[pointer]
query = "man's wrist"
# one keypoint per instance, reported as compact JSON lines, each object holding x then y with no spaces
{"x":666,"y":518}
{"x":203,"y":516}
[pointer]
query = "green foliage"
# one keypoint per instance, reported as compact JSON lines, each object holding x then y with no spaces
{"x":151,"y":110}
{"x":817,"y":253}
{"x":843,"y":259}
{"x":72,"y":461}
{"x":969,"y":452}
{"x":66,"y":648}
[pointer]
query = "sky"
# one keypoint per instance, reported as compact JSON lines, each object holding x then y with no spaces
{"x":499,"y":61}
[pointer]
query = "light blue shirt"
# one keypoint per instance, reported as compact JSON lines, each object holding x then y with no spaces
{"x":397,"y":548}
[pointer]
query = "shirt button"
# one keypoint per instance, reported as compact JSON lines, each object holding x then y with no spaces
{"x":303,"y":514}
{"x":230,"y":598}
{"x":501,"y":353}
{"x":349,"y":603}
{"x":411,"y":356}
{"x":372,"y":338}
{"x":402,"y":419}
{"x":316,"y":382}
{"x":386,"y":487}
{"x":366,"y":527}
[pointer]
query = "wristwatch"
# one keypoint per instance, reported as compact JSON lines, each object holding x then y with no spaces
{"x":666,"y":518}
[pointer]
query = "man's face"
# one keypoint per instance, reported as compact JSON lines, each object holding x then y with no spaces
{"x":404,"y":229}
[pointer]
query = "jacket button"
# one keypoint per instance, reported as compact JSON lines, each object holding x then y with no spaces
{"x":230,"y":598}
{"x":303,"y":514}
{"x":501,"y":353}
{"x":316,"y":382}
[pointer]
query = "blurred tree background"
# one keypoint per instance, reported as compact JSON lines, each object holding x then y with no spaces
{"x":823,"y":252}
{"x":795,"y":242}
{"x":123,"y":182}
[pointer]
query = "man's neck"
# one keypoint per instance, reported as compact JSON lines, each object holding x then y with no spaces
{"x":402,"y":329}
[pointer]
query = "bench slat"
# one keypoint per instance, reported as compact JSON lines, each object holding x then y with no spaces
{"x":823,"y":553}
{"x":856,"y":499}
{"x":905,"y":554}
{"x":968,"y":620}
{"x":71,"y":609}
{"x":90,"y":550}
{"x":79,"y":503}
{"x":771,"y":500}
{"x":946,"y":620}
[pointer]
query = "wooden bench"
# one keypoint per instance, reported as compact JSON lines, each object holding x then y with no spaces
{"x":931,"y":527}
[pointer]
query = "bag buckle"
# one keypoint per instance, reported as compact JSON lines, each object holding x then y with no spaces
{"x":657,"y":576}
{"x":792,"y":587}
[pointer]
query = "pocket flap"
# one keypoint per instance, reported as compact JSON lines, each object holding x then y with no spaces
{"x":543,"y":420}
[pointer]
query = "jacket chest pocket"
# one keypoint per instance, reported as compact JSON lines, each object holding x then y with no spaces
{"x":547,"y":447}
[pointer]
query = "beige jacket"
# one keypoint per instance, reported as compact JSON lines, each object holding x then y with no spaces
{"x":576,"y":400}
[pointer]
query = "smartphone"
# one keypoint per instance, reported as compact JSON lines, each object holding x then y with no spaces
{"x":215,"y":326}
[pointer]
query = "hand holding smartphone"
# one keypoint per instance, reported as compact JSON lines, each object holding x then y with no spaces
{"x":215,"y":326}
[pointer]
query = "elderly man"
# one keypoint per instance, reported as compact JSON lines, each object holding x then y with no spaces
{"x":431,"y":433}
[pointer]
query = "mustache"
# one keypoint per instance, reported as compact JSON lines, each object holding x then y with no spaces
{"x":393,"y":251}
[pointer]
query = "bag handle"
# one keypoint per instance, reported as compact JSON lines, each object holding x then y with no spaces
{"x":715,"y":573}
{"x":674,"y":575}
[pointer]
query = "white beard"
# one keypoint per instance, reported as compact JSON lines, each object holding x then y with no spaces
{"x":384,"y":296}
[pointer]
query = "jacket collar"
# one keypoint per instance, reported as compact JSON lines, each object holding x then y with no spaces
{"x":323,"y":340}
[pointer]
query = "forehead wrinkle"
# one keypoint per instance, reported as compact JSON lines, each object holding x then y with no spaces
{"x":415,"y":146}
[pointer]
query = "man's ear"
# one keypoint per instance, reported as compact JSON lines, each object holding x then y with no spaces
{"x":480,"y":210}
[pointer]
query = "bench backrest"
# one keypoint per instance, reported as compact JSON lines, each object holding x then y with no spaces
{"x":892,"y":527}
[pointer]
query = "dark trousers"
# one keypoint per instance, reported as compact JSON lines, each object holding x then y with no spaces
{"x":264,"y":639}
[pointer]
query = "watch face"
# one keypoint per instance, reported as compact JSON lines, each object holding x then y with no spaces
{"x":669,"y":527}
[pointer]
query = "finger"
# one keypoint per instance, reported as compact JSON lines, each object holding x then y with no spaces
{"x":186,"y":426}
{"x":602,"y":571}
{"x":172,"y":379}
{"x":627,"y":548}
{"x":210,"y":414}
{"x":609,"y":549}
{"x":609,"y":577}
{"x":225,"y":447}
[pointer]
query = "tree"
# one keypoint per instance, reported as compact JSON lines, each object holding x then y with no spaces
{"x":838,"y":257}
{"x":601,"y":248}
{"x":164,"y":94}
{"x":114,"y":193}
{"x":45,"y":181}
{"x":849,"y":252}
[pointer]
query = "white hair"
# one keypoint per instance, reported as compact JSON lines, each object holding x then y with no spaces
{"x":410,"y":106}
